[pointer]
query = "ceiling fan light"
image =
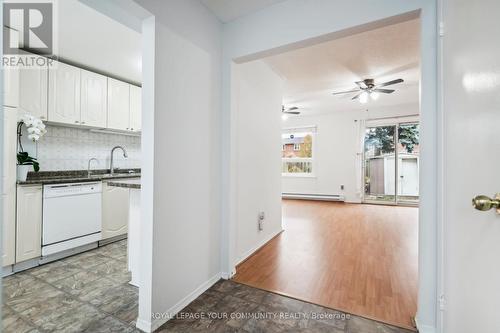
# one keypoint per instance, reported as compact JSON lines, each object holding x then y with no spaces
{"x":374,"y":95}
{"x":363,"y":98}
{"x":284,"y":116}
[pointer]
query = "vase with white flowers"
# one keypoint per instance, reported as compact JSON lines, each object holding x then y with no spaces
{"x":36,"y":129}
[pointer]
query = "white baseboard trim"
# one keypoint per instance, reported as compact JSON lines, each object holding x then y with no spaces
{"x":319,"y":197}
{"x":143,"y":325}
{"x":258,"y":246}
{"x":226,"y":275}
{"x":156,"y":323}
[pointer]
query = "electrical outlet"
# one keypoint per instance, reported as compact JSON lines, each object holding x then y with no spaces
{"x":261,"y":221}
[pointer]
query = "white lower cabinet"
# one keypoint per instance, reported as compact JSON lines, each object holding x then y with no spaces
{"x":29,"y":222}
{"x":115,"y":208}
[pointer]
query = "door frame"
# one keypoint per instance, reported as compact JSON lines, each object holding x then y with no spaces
{"x":255,"y":46}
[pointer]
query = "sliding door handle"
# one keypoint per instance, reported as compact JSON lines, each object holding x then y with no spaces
{"x":484,"y":203}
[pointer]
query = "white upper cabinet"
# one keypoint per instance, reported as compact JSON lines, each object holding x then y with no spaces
{"x":94,"y":99}
{"x":11,"y":77}
{"x":33,"y":91}
{"x":64,"y":94}
{"x":118,"y":104}
{"x":135,"y":108}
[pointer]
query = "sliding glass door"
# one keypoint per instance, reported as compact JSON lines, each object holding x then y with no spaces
{"x":391,"y":162}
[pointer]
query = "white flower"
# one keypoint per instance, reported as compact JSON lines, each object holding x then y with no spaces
{"x":35,"y":126}
{"x":34,"y":137}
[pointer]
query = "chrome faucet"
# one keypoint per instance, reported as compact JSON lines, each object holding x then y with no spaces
{"x":88,"y":168}
{"x":112,"y":153}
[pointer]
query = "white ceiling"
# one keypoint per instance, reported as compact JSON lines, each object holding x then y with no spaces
{"x":228,"y":10}
{"x":311,"y":74}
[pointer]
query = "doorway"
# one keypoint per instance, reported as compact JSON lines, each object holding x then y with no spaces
{"x":391,"y":163}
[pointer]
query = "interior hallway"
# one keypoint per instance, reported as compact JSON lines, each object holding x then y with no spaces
{"x":361,"y":259}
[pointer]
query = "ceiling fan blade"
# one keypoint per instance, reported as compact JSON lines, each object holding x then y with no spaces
{"x":345,"y":92}
{"x":361,"y":84}
{"x":357,"y":96}
{"x":385,"y":84}
{"x":291,"y":112}
{"x":292,"y":108}
{"x":384,"y":91}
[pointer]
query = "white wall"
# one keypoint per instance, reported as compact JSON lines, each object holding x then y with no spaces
{"x":337,"y":143}
{"x":258,"y":93}
{"x":298,"y":23}
{"x":181,"y":191}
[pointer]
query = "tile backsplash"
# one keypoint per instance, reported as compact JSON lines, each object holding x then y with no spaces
{"x":67,"y":148}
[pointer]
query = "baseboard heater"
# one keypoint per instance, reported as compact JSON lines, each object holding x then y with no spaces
{"x":319,"y":197}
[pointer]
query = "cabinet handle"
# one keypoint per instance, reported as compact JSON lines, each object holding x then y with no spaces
{"x":131,"y":129}
{"x":127,"y":128}
{"x":82,"y":122}
{"x":76,"y":121}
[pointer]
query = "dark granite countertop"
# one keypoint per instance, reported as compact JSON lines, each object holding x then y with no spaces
{"x":76,"y":176}
{"x":128,"y":183}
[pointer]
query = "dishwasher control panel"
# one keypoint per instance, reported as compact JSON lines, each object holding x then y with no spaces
{"x":58,"y":190}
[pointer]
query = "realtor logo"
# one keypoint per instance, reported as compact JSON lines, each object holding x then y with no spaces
{"x":34,"y":22}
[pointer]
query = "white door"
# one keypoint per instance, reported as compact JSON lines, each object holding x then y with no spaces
{"x":94,"y":99}
{"x":135,"y":108}
{"x":33,"y":91}
{"x":471,"y":91}
{"x":64,"y":94}
{"x":408,"y":176}
{"x":118,"y":105}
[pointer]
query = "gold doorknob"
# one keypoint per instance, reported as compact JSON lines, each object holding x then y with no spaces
{"x":484,"y":203}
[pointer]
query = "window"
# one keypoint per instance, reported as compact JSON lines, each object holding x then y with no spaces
{"x":298,"y":150}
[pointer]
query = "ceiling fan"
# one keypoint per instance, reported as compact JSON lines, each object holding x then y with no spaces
{"x":368,"y":88}
{"x":287,"y":111}
{"x":290,"y":110}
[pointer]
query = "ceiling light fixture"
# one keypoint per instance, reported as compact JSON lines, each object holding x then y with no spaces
{"x":374,"y":95}
{"x":363,"y":98}
{"x":284,"y":117}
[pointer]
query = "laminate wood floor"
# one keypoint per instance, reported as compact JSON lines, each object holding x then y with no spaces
{"x":361,"y":259}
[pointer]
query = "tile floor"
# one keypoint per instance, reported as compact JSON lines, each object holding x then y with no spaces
{"x":90,"y":293}
{"x":263,"y":311}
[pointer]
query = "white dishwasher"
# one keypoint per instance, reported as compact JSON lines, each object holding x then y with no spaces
{"x":71,"y":216}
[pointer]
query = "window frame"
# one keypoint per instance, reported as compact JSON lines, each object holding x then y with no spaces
{"x":313,"y":131}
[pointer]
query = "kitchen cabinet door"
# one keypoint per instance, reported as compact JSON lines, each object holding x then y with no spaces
{"x":118,"y":105}
{"x":115,"y":209}
{"x":135,"y":108}
{"x":64,"y":94}
{"x":29,"y":223}
{"x":94,"y":99}
{"x":9,"y":186}
{"x":11,"y":76}
{"x":33,"y":91}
